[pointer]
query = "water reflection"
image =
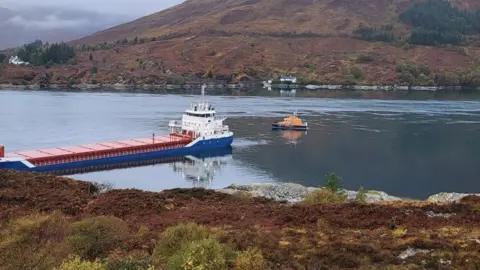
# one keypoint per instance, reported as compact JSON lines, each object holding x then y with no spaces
{"x":292,"y":136}
{"x":200,"y":171}
{"x":290,"y":93}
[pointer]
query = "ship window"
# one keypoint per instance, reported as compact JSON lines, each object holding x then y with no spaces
{"x":201,"y":115}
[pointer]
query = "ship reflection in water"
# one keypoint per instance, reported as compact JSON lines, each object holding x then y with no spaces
{"x":199,"y":166}
{"x":200,"y":171}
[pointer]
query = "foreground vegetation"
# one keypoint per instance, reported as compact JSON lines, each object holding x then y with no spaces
{"x":50,"y":222}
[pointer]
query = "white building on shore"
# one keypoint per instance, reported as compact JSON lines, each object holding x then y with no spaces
{"x":285,"y":79}
{"x":14,"y":60}
{"x":291,"y":79}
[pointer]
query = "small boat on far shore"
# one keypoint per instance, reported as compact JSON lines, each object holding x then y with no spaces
{"x":292,"y":122}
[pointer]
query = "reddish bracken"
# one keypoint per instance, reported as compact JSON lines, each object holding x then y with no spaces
{"x":340,"y":236}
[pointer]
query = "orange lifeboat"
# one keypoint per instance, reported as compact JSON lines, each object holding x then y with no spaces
{"x":291,"y":122}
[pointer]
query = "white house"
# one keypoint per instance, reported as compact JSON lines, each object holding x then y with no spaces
{"x":14,"y":60}
{"x":291,"y":79}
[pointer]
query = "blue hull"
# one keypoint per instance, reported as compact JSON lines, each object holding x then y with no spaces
{"x":194,"y":150}
{"x":217,"y":152}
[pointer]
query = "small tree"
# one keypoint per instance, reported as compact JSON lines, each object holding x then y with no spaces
{"x":361,"y":195}
{"x":332,"y":183}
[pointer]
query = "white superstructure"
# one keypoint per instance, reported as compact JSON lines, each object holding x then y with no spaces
{"x":200,"y":120}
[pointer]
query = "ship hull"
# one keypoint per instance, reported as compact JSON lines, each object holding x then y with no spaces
{"x":196,"y":147}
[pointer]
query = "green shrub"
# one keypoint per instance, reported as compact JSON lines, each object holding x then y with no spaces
{"x":176,"y":237}
{"x":34,"y":242}
{"x":357,"y":72}
{"x":205,"y":254}
{"x":365,"y":58}
{"x":324,"y":196}
{"x":349,"y":79}
{"x":77,"y":264}
{"x":95,"y":237}
{"x":333,"y":183}
{"x":251,"y":259}
{"x":130,"y":263}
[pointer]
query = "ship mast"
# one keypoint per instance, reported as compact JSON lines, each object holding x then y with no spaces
{"x":203,"y":91}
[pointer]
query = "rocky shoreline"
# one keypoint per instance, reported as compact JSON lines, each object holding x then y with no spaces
{"x":162,"y":87}
{"x":295,"y":193}
{"x":119,"y":87}
{"x":380,"y":88}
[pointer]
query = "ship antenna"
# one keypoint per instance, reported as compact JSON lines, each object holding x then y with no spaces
{"x":203,"y":91}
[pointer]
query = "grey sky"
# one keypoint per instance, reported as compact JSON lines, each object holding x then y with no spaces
{"x":131,"y":7}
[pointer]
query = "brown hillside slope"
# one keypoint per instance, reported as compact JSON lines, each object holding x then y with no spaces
{"x":262,"y":16}
{"x":317,"y":16}
{"x":232,"y":37}
{"x":155,"y":62}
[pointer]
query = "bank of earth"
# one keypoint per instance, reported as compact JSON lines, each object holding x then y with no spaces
{"x":279,"y":230}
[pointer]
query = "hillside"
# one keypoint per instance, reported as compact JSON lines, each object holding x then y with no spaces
{"x":323,"y":17}
{"x":45,"y":219}
{"x":321,"y":41}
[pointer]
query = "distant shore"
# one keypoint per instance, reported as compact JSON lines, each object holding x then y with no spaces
{"x":288,"y":87}
{"x":385,"y":88}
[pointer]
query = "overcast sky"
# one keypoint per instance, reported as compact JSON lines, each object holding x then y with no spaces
{"x":131,"y":7}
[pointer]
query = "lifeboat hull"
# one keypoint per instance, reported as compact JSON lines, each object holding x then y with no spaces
{"x":289,"y":127}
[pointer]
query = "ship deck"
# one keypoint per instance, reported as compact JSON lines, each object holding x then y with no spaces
{"x":100,"y":150}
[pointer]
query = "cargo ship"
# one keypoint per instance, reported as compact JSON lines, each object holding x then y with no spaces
{"x":199,"y":130}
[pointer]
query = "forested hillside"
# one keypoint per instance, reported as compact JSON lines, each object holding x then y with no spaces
{"x":438,"y":22}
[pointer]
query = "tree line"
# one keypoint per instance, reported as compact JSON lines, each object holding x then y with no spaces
{"x":37,"y":53}
{"x":438,"y":22}
{"x":385,"y":33}
{"x":434,"y":22}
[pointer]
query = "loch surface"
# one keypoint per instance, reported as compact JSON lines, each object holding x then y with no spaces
{"x":405,"y":147}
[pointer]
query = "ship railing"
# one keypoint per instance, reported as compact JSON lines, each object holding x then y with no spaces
{"x":222,"y":129}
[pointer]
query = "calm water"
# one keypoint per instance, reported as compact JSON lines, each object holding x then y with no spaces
{"x":410,"y":148}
